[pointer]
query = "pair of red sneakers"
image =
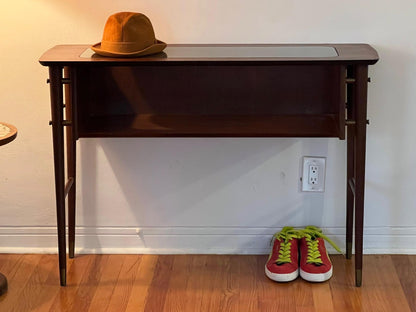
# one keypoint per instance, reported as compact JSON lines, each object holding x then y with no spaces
{"x":301,"y":252}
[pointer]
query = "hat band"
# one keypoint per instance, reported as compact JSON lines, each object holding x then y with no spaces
{"x":122,"y":47}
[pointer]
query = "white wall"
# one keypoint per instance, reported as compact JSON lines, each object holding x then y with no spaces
{"x":206,"y":195}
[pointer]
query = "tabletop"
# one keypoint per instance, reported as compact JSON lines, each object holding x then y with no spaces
{"x":222,"y":53}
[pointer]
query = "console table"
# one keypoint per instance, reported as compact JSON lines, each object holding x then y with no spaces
{"x":292,"y":90}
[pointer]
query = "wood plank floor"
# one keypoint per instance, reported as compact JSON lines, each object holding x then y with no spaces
{"x":200,"y":283}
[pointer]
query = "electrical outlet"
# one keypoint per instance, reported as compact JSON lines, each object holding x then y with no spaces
{"x":313,"y":176}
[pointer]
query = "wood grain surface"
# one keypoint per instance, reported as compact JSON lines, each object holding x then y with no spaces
{"x":201,"y":283}
{"x":66,"y":54}
{"x":7,"y":133}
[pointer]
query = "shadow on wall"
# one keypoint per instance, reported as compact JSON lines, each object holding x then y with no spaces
{"x":175,"y":182}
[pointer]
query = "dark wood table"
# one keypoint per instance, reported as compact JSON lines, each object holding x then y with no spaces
{"x":7,"y":134}
{"x":303,"y":90}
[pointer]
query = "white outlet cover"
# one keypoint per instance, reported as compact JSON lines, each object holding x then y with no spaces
{"x":320,"y":163}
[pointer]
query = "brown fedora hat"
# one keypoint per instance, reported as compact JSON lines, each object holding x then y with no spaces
{"x":128,"y":34}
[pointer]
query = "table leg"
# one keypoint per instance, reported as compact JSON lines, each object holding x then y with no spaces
{"x":360,"y":104}
{"x":350,"y":194}
{"x":350,"y":165}
{"x":55,"y":75}
{"x":71,"y":164}
{"x":71,"y":150}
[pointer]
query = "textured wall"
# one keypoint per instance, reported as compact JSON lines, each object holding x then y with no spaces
{"x":206,"y":195}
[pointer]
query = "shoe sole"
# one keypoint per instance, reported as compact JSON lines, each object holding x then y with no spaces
{"x":282,"y":277}
{"x":316,"y":277}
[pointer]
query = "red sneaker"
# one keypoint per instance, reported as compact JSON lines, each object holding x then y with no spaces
{"x":283,"y":265}
{"x":315,"y":265}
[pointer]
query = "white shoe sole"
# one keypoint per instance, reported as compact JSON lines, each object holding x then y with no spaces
{"x":316,"y":278}
{"x":281,"y":277}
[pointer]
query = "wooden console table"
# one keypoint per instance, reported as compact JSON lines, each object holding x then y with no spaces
{"x":299,"y":90}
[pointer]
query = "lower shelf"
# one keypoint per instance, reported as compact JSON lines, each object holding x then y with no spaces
{"x":211,"y":126}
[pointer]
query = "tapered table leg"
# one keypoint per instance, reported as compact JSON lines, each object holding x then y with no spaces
{"x":71,"y":150}
{"x":350,"y":194}
{"x":71,"y":164}
{"x":55,"y":75}
{"x":350,"y":165}
{"x":360,"y":101}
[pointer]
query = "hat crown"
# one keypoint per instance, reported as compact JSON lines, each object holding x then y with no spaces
{"x":127,"y":32}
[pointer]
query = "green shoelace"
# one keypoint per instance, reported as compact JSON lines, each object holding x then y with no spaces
{"x":285,"y":236}
{"x":311,"y":233}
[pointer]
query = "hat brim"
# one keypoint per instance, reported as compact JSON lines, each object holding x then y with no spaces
{"x":159,"y":46}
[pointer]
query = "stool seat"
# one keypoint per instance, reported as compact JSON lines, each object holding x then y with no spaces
{"x":7,"y":133}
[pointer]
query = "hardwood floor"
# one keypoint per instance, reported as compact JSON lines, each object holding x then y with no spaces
{"x":200,"y":283}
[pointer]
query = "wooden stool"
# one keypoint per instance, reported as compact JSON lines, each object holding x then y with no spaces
{"x":7,"y":134}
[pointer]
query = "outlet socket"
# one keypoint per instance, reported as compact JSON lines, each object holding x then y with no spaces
{"x":313,"y":175}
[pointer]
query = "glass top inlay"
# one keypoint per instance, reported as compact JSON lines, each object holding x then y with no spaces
{"x":249,"y":51}
{"x":213,"y":52}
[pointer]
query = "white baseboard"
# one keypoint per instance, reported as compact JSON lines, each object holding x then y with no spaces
{"x":191,"y":240}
